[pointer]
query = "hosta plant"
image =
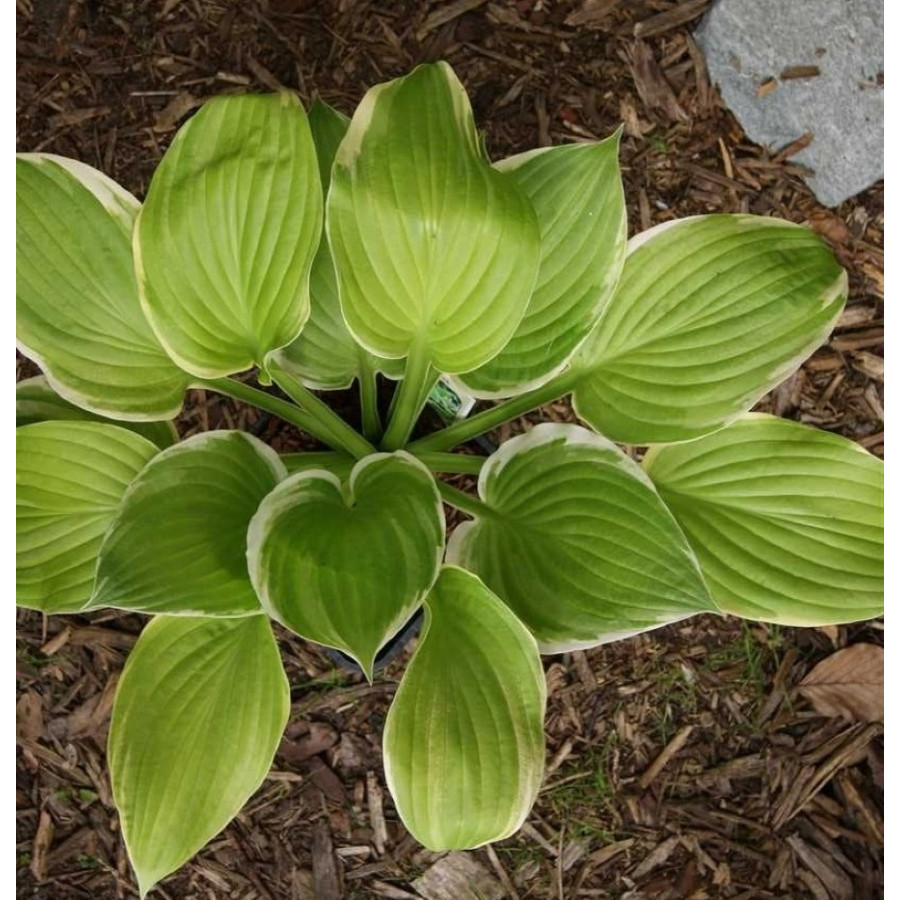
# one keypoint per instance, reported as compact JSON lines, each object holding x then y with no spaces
{"x":315,"y":251}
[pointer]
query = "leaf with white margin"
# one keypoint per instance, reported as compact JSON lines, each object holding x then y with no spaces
{"x":198,"y":716}
{"x":709,"y":314}
{"x":178,"y":543}
{"x":347,"y":564}
{"x":576,"y":191}
{"x":464,"y":738}
{"x":787,"y":521}
{"x":325,"y":356}
{"x":70,"y":479}
{"x":436,"y":252}
{"x":36,"y":401}
{"x":576,"y":541}
{"x":225,"y":240}
{"x":77,"y":309}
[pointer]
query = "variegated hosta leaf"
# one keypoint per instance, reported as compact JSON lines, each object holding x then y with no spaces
{"x":464,"y":738}
{"x":227,"y":235}
{"x":178,"y":544}
{"x":199,"y":713}
{"x":576,"y":541}
{"x":77,"y":309}
{"x":710,"y":313}
{"x":436,"y":252}
{"x":576,"y":191}
{"x":346,"y":564}
{"x":70,"y":478}
{"x":787,"y":521}
{"x":325,"y":356}
{"x":36,"y":401}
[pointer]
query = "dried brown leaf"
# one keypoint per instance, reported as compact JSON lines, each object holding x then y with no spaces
{"x":849,"y":683}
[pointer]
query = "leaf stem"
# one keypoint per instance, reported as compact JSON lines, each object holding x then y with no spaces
{"x":418,"y":380}
{"x":466,"y":429}
{"x":368,"y":398}
{"x":245,"y":393}
{"x":468,"y":504}
{"x":339,"y":434}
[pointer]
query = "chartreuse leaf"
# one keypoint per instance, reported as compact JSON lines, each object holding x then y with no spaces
{"x":464,"y":738}
{"x":36,"y":401}
{"x":178,"y":542}
{"x":198,"y":715}
{"x":436,"y":252}
{"x":225,"y":240}
{"x":70,"y":478}
{"x":77,"y":309}
{"x":325,"y":356}
{"x":787,"y":521}
{"x":710,"y":313}
{"x":346,"y":564}
{"x":576,"y":541}
{"x":576,"y":191}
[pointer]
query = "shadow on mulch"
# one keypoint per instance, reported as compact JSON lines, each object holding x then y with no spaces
{"x":681,"y":764}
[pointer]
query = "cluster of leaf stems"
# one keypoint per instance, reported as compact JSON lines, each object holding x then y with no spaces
{"x":312,"y":415}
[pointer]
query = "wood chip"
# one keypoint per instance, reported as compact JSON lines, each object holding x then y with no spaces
{"x":458,"y":876}
{"x":591,"y":13}
{"x":665,"y":21}
{"x":800,"y":72}
{"x":447,"y":12}
{"x":663,"y":759}
{"x":325,"y":870}
{"x":40,"y":847}
{"x":656,"y":858}
{"x":651,"y":84}
{"x":375,"y":799}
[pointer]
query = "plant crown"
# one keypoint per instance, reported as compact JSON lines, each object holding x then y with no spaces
{"x":320,"y":251}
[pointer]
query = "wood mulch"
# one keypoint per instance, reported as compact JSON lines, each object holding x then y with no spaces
{"x":681,"y":763}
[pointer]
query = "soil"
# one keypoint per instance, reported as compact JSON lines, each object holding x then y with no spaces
{"x":681,"y":763}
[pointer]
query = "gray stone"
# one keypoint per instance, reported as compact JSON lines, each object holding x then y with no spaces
{"x":750,"y":42}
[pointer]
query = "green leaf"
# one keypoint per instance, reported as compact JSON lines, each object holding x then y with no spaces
{"x":325,"y":356}
{"x":227,"y":235}
{"x":436,"y":252}
{"x":178,"y":544}
{"x":787,"y":521}
{"x":464,"y":738}
{"x":36,"y":401}
{"x":199,"y":713}
{"x":576,"y":541}
{"x":576,"y":191}
{"x":710,"y":313}
{"x":346,"y":564}
{"x":70,"y":478}
{"x":77,"y":309}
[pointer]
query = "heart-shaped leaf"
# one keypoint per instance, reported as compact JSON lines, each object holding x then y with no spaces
{"x":178,"y":543}
{"x":576,"y":541}
{"x":70,"y":478}
{"x":464,"y":738}
{"x":710,"y":313}
{"x":199,"y":713}
{"x":77,"y":309}
{"x":346,"y":565}
{"x":227,"y":235}
{"x":576,"y":191}
{"x":787,"y":521}
{"x":325,"y":356}
{"x":36,"y":401}
{"x":436,"y":252}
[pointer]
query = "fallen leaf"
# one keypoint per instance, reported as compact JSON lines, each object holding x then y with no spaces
{"x":849,"y":683}
{"x":29,"y":716}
